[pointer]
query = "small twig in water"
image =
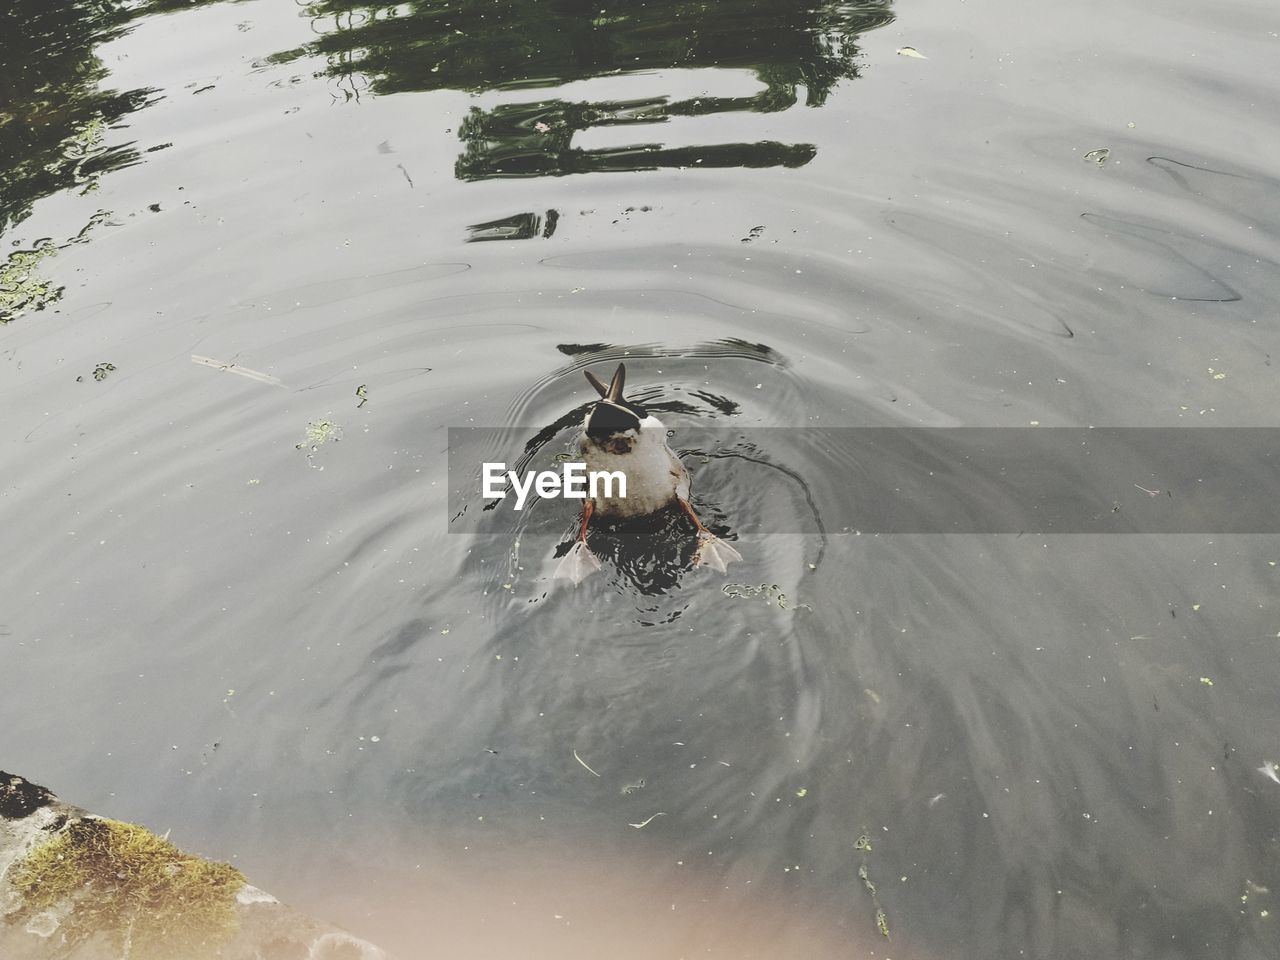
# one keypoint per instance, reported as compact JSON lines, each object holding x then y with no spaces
{"x":236,"y":369}
{"x":584,"y":764}
{"x":645,"y":823}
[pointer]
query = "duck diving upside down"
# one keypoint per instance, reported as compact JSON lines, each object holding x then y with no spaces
{"x":619,"y":435}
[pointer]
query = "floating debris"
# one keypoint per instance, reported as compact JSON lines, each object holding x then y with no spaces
{"x":882,"y":922}
{"x":863,"y":845}
{"x":644,"y":823}
{"x":770,"y":591}
{"x":631,"y":788}
{"x":102,"y":370}
{"x":1270,"y":769}
{"x":229,"y":366}
{"x":911,"y":52}
{"x":1099,"y":156}
{"x":319,"y":432}
{"x":362,"y":393}
{"x":584,"y":764}
{"x":1206,"y":681}
{"x":21,"y":286}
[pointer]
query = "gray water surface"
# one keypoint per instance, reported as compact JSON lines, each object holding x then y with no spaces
{"x":231,"y":604}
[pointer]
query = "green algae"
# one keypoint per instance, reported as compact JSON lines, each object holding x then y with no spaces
{"x":320,"y":432}
{"x":863,"y":846}
{"x":21,"y":286}
{"x":122,"y":882}
{"x":78,"y":149}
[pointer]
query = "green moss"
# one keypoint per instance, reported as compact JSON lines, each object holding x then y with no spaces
{"x":147,"y":897}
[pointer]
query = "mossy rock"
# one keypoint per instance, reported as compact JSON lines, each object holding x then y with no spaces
{"x":122,"y":882}
{"x":20,"y":797}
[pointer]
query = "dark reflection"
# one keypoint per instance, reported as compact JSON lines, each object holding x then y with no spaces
{"x":54,"y":113}
{"x":477,"y":45}
{"x":733,"y":348}
{"x":521,"y":226}
{"x":499,"y":145}
{"x":654,"y":553}
{"x":581,"y":349}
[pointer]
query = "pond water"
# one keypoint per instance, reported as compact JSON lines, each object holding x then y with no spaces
{"x":261,"y":256}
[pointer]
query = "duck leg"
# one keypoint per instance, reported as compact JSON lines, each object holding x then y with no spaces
{"x":712,"y":551}
{"x":579,"y":563}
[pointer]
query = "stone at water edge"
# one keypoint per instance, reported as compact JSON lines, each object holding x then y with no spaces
{"x":69,"y":880}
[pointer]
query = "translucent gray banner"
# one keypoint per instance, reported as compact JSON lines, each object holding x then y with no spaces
{"x":914,"y":480}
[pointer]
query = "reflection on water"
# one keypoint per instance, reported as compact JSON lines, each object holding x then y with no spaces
{"x":534,"y":139}
{"x":56,"y":110}
{"x":476,"y":45}
{"x":1057,"y":745}
{"x":480,"y":44}
{"x":521,"y":226}
{"x":56,"y":104}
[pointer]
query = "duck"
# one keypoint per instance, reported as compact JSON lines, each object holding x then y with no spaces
{"x":620,"y":435}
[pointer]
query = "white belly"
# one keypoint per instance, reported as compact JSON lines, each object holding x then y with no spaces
{"x":655,"y":478}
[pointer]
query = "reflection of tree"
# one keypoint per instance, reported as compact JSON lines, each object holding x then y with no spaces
{"x":53,"y":112}
{"x":529,"y":140}
{"x":509,"y":44}
{"x":485,"y":44}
